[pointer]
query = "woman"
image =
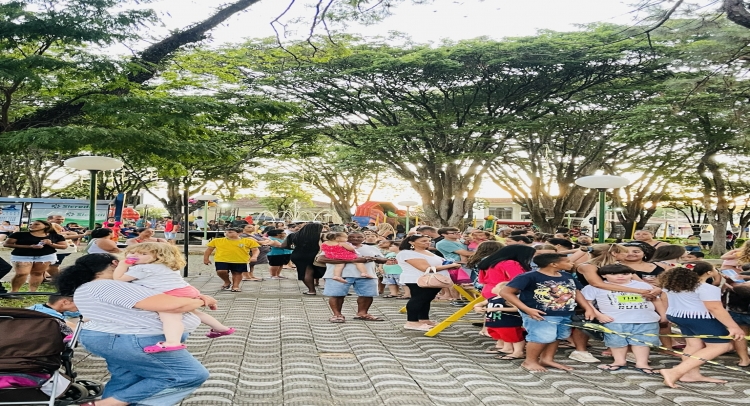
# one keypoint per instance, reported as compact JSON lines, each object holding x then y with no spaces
{"x":122,"y":320}
{"x":735,"y":258}
{"x":144,"y":235}
{"x":249,"y":231}
{"x":305,"y":245}
{"x":7,"y":229}
{"x":696,"y":307}
{"x":503,"y":266}
{"x":414,"y":258}
{"x":668,"y":256}
{"x":639,"y":253}
{"x":102,"y":242}
{"x":647,"y":237}
{"x":33,"y":252}
{"x":738,"y":305}
{"x":114,"y":225}
{"x":478,"y":237}
{"x":386,"y":231}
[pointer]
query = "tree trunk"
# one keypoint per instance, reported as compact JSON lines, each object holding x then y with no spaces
{"x":344,"y":210}
{"x":737,"y":12}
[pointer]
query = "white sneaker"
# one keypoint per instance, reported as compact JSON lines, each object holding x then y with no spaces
{"x":583,"y":356}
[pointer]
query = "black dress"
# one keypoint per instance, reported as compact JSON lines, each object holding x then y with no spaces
{"x":303,"y":256}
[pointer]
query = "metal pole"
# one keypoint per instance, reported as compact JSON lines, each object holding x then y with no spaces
{"x":407,"y":220}
{"x":185,"y":231}
{"x":92,"y":200}
{"x":602,"y":210}
{"x":205,"y":220}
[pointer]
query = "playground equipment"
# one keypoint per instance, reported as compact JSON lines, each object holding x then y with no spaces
{"x":379,"y":212}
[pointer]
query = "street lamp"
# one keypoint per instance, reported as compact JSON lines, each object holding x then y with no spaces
{"x":205,"y":199}
{"x":569,"y":212}
{"x":408,"y":203}
{"x":602,"y":183}
{"x":93,"y":164}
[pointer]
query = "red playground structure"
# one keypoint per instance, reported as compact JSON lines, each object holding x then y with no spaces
{"x":379,"y":212}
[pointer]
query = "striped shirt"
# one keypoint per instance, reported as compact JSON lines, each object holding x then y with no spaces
{"x":109,"y":307}
{"x":158,"y":277}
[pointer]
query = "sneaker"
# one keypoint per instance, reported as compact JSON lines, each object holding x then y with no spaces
{"x":583,"y":356}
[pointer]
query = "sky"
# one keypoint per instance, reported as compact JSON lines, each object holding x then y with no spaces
{"x":441,"y":19}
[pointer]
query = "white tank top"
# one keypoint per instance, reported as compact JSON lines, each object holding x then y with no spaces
{"x":94,"y":249}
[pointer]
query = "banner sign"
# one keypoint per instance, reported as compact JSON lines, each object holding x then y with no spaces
{"x":73,"y":212}
{"x":11,"y":213}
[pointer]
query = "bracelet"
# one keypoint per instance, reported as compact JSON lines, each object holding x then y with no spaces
{"x":203,"y":300}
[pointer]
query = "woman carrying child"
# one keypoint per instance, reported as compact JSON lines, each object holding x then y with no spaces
{"x":154,"y":266}
{"x":336,"y":247}
{"x":696,"y":307}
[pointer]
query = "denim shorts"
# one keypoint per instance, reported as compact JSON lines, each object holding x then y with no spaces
{"x":743,"y":319}
{"x":366,"y":287}
{"x":696,"y":327}
{"x":170,"y":236}
{"x":547,"y":331}
{"x":391,"y":279}
{"x":637,"y":339}
{"x":51,"y":258}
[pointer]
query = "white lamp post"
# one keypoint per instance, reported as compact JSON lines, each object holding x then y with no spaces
{"x":408,"y":203}
{"x":93,"y":164}
{"x":205,"y":199}
{"x":602,"y":183}
{"x":569,"y":212}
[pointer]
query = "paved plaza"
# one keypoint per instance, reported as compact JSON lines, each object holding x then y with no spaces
{"x":285,"y":352}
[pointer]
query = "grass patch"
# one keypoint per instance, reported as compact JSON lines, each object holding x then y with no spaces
{"x":27,"y":301}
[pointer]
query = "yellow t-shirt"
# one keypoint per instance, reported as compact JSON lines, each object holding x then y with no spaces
{"x":233,"y":251}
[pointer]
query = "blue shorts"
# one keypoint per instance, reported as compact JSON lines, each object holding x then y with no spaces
{"x":391,"y":279}
{"x":696,"y":327}
{"x":743,"y":319}
{"x":365,"y":287}
{"x":170,"y":236}
{"x":637,"y":339}
{"x":547,"y":331}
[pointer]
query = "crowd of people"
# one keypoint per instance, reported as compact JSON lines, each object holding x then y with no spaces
{"x":537,"y":289}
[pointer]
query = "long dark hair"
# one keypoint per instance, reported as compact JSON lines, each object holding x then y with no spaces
{"x":47,"y":226}
{"x":307,"y":237}
{"x":84,"y":270}
{"x":648,"y":249}
{"x":519,"y":253}
{"x":405,"y":242}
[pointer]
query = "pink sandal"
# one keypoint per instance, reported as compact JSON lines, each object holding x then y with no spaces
{"x":215,"y":334}
{"x":159,"y":347}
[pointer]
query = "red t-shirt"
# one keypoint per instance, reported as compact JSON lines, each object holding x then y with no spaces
{"x":168,"y":226}
{"x":503,"y":271}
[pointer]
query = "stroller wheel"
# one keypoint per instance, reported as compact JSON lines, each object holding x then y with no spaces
{"x":75,"y":393}
{"x":93,"y":388}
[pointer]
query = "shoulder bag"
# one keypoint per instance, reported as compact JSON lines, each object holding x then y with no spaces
{"x":432,"y":279}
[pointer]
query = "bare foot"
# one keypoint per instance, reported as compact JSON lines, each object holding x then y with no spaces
{"x":339,"y":279}
{"x":533,"y":367}
{"x":669,"y":378}
{"x":553,"y":364}
{"x":701,"y":378}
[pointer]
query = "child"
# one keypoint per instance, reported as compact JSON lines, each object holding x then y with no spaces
{"x":392,"y":271}
{"x":696,"y":307}
{"x":61,"y":307}
{"x":154,"y":265}
{"x":336,"y":247}
{"x":627,"y":313}
{"x":547,"y":301}
{"x":693,"y":243}
{"x":503,"y":323}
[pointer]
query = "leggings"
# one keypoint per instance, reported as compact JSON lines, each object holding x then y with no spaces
{"x":418,"y":307}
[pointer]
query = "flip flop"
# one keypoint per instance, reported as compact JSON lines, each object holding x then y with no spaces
{"x":389,"y":296}
{"x":492,"y":352}
{"x":508,"y":357}
{"x":610,"y":367}
{"x":226,"y":287}
{"x":235,"y":290}
{"x":369,"y":317}
{"x":159,"y":347}
{"x":648,"y":371}
{"x":337,"y":319}
{"x":309,"y":294}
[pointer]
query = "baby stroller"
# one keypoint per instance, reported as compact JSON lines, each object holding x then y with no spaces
{"x":32,"y":354}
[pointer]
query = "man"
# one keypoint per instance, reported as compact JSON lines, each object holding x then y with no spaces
{"x":71,"y":238}
{"x":233,"y":254}
{"x":585,"y":241}
{"x":450,"y":246}
{"x":372,"y":226}
{"x":365,"y":288}
{"x":238,"y":222}
{"x":431,"y":232}
{"x":200,"y":223}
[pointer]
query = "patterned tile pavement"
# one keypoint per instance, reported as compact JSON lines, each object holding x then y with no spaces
{"x":285,"y":352}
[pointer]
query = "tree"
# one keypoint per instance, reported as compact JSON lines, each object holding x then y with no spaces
{"x":285,"y":197}
{"x":438,"y":116}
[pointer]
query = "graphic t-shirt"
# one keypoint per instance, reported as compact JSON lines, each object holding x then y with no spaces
{"x":233,"y":251}
{"x":554,"y":295}
{"x":448,"y":248}
{"x":624,"y":307}
{"x":500,"y":318}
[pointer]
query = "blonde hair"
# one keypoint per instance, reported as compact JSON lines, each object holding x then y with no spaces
{"x":163,"y":253}
{"x":601,"y":254}
{"x":743,"y":257}
{"x":385,"y":229}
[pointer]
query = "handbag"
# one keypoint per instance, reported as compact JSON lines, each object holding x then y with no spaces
{"x":459,"y":276}
{"x":432,"y":279}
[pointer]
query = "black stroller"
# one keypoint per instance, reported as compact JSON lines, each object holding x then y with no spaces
{"x":32,"y":351}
